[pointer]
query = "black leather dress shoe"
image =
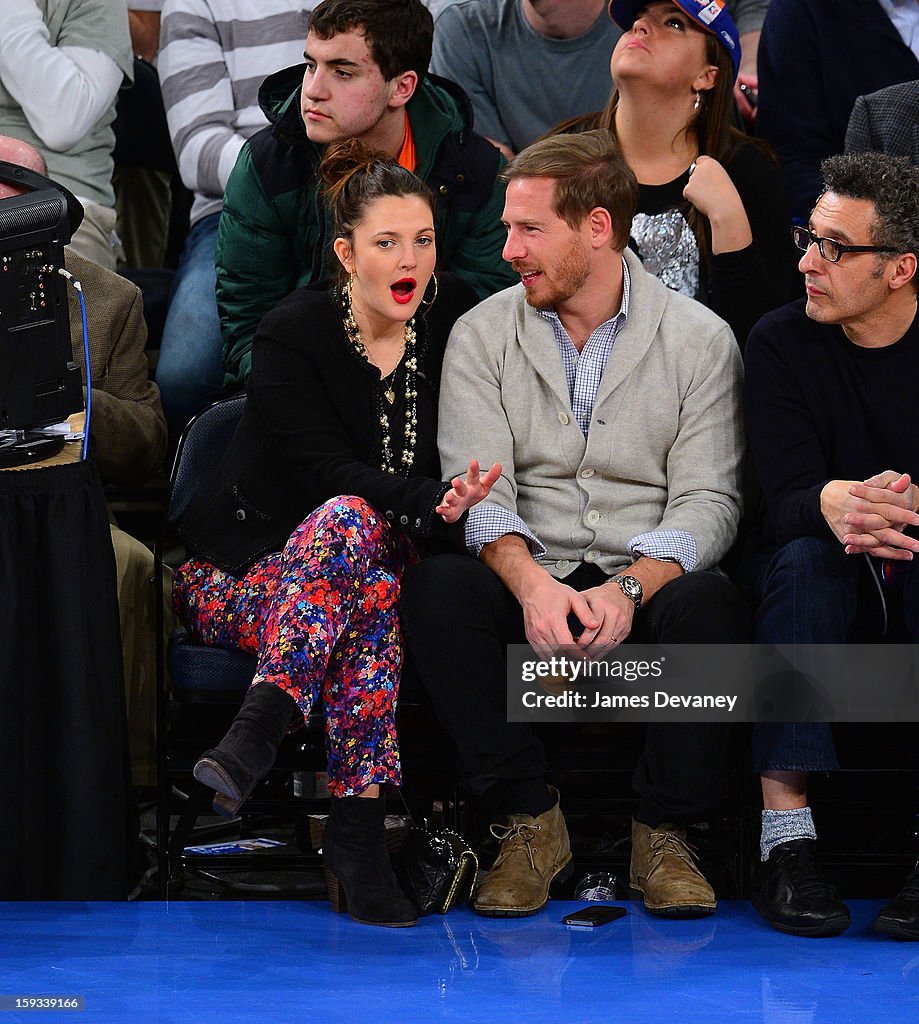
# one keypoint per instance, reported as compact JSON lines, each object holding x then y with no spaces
{"x":791,"y":894}
{"x":900,"y":918}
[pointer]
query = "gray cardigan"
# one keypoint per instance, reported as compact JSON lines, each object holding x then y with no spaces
{"x":665,"y":442}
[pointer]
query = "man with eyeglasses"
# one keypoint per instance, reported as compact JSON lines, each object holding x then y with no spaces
{"x":831,"y":396}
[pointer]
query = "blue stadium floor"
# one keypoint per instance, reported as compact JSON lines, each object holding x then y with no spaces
{"x":268,"y":962}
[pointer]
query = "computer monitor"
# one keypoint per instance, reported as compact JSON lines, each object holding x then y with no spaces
{"x":39,"y":381}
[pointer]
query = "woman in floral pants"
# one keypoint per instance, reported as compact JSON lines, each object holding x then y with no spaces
{"x":329,"y":489}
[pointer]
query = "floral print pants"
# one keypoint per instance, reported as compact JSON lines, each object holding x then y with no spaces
{"x":322,"y":617}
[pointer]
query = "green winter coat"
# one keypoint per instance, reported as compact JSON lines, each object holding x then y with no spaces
{"x":276,"y":234}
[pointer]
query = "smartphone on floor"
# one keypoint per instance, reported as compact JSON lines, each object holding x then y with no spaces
{"x":593,"y":916}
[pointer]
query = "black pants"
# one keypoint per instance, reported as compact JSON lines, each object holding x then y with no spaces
{"x":459,"y":618}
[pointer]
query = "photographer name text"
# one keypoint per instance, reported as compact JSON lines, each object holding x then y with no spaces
{"x":659,"y":699}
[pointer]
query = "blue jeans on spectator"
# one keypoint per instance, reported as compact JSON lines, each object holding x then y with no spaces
{"x":811,"y":592}
{"x":189,"y":370}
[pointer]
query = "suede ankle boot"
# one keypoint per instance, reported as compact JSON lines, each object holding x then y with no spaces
{"x":358,"y":872}
{"x":246,"y":754}
{"x":663,"y":872}
{"x":534,"y":852}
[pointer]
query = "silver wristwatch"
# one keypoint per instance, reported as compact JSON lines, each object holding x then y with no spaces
{"x":631,"y":587}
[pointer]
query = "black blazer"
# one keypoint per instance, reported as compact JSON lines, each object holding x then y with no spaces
{"x":815,"y":58}
{"x":886,"y":121}
{"x":310,"y":431}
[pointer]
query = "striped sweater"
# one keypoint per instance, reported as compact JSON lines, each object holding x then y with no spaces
{"x":214,"y":55}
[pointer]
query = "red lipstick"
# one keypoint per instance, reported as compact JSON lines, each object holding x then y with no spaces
{"x":403,"y":290}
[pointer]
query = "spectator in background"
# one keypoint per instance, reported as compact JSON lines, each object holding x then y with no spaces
{"x":712,"y":221}
{"x":144,"y":164}
{"x":528,"y":64}
{"x":62,"y":63}
{"x":886,"y":121}
{"x":749,"y":15}
{"x":366,"y":62}
{"x":815,"y":59}
{"x":214,"y":55}
{"x":144,"y":23}
{"x":525,"y":64}
{"x":129,"y":435}
{"x":436,"y":6}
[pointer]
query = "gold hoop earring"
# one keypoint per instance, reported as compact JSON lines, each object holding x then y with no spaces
{"x":430,"y":302}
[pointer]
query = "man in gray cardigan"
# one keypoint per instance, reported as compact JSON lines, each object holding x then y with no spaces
{"x":613,"y":405}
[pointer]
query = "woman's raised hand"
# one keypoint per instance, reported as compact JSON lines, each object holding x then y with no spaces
{"x":468,"y":491}
{"x":712,"y":193}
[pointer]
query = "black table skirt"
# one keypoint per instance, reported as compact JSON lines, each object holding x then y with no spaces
{"x":64,"y":771}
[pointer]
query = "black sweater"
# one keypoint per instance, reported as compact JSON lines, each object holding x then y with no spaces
{"x":311,"y":431}
{"x":820,"y":408}
{"x":741,"y":286}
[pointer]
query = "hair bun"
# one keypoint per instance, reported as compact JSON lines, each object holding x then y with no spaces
{"x":342,"y":160}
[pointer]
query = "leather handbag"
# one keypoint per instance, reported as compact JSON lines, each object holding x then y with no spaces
{"x":436,"y":869}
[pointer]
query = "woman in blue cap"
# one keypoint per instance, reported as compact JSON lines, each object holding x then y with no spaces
{"x":712,"y":220}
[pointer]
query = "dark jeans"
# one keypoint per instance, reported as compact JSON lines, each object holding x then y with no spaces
{"x":459,"y":618}
{"x":811,"y":592}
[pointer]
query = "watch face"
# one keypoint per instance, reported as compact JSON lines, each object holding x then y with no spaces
{"x":630,"y":587}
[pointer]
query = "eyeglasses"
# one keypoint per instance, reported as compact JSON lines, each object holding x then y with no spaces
{"x":829,"y":249}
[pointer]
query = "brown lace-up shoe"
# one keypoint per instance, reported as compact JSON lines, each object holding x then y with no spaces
{"x":664,"y":872}
{"x":533,"y":852}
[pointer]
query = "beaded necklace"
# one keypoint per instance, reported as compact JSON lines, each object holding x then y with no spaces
{"x":409,"y":344}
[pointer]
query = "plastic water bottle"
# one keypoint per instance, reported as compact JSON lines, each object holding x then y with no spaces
{"x":600,"y":887}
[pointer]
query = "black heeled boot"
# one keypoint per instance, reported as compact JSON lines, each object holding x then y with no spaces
{"x":358,"y":872}
{"x":245,"y":755}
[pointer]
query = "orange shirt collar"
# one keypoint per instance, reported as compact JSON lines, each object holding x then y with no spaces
{"x":408,"y":158}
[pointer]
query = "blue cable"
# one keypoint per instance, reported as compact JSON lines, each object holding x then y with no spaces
{"x":89,"y":388}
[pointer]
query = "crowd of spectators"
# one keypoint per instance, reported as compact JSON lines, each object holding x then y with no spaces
{"x":723,"y":126}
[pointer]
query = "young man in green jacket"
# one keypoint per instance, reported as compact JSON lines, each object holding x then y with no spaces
{"x":365,"y":77}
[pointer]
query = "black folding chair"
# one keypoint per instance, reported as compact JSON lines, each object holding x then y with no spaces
{"x":207,"y":687}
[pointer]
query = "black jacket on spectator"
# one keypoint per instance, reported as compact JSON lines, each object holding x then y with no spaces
{"x":311,"y":431}
{"x":886,"y":121}
{"x":815,"y":58}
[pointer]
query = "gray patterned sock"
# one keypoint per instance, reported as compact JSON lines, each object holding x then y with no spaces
{"x":783,"y":826}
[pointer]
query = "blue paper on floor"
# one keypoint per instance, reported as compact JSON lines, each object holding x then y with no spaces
{"x":236,"y":846}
